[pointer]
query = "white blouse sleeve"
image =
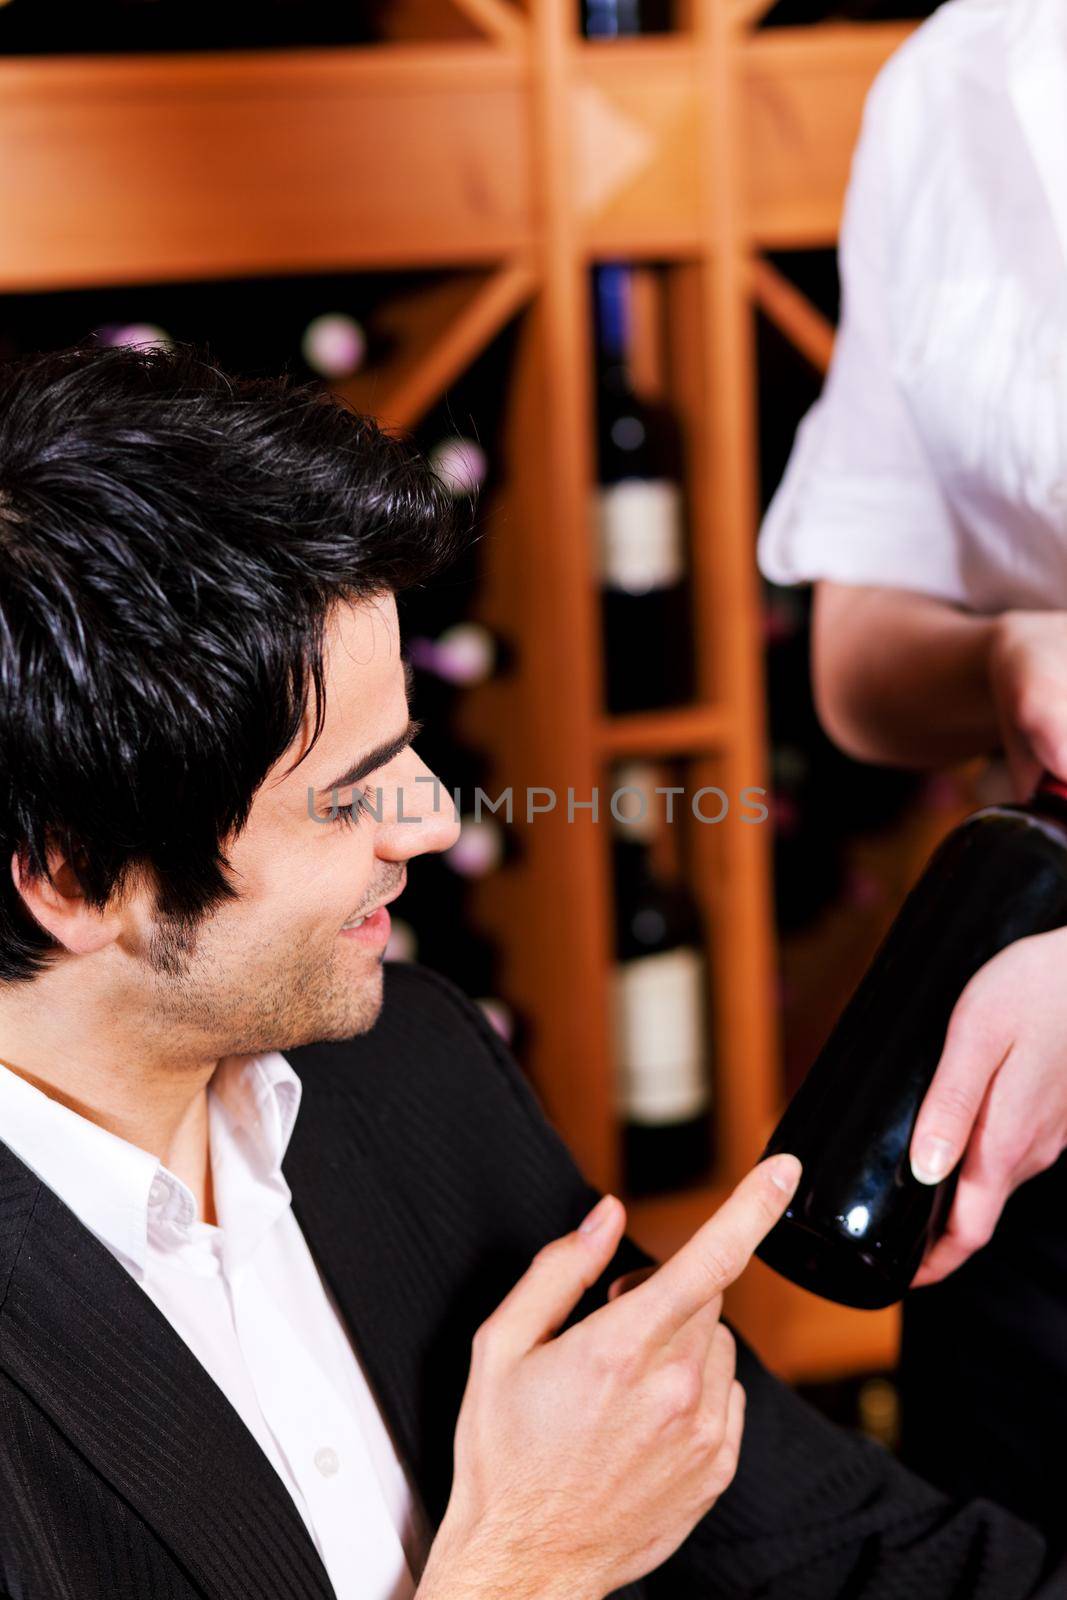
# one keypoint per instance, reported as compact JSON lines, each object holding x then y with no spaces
{"x":859,"y":502}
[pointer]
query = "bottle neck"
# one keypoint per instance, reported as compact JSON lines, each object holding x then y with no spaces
{"x":611,"y":19}
{"x":633,"y":860}
{"x":612,"y":293}
{"x":613,"y":376}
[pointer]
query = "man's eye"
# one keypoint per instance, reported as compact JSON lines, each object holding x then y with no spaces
{"x":348,"y":816}
{"x":352,"y":814}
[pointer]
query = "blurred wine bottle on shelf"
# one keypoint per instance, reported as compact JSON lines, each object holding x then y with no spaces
{"x":135,"y":335}
{"x":460,"y":438}
{"x":333,"y":344}
{"x":439,"y":933}
{"x":461,"y":658}
{"x":661,"y":1033}
{"x":316,"y":327}
{"x":55,"y":27}
{"x":479,"y":849}
{"x":638,"y":523}
{"x":463,"y":655}
{"x":460,"y":463}
{"x":614,"y":19}
{"x":403,"y":941}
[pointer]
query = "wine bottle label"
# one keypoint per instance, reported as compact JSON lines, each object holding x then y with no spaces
{"x":660,"y":1037}
{"x":639,"y":530}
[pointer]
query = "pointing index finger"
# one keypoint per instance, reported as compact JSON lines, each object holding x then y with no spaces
{"x":718,"y":1252}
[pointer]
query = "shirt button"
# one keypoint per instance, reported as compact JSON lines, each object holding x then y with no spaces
{"x":157,"y":1193}
{"x":327,"y":1461}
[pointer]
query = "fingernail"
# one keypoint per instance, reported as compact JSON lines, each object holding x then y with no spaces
{"x":596,"y":1216}
{"x":932,"y":1159}
{"x":784,"y":1173}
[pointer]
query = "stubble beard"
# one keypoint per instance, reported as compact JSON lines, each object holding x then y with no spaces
{"x":294,"y":998}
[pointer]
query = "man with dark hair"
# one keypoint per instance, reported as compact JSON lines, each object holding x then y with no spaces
{"x":269,"y":1323}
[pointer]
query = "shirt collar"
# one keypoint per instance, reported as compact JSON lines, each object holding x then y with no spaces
{"x":261,"y":1096}
{"x":252,"y":1109}
{"x":127,"y":1197}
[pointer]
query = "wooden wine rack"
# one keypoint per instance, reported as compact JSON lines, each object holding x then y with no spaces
{"x":514,"y":154}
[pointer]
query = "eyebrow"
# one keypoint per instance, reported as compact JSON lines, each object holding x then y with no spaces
{"x":382,"y":753}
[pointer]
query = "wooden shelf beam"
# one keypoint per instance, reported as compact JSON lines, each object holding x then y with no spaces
{"x":747,"y":13}
{"x":681,"y":731}
{"x":438,"y":331}
{"x":146,"y":169}
{"x":406,"y":155}
{"x":800,"y":98}
{"x":792,"y":313}
{"x":499,"y":20}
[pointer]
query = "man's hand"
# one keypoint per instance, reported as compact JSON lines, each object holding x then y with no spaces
{"x":582,"y":1461}
{"x":999,"y":1096}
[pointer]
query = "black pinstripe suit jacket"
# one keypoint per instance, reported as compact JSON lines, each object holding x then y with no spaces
{"x":424,"y":1176}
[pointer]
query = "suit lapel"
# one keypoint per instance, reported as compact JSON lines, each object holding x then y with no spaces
{"x":100,"y":1359}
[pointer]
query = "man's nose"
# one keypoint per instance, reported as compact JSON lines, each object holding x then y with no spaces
{"x":428,"y":820}
{"x":441,"y":823}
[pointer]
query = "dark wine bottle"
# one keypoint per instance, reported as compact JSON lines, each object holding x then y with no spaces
{"x":638,"y":524}
{"x":614,"y":19}
{"x":660,"y":1028}
{"x":859,"y":1224}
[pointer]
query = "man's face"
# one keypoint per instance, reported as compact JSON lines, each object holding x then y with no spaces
{"x":275,"y":968}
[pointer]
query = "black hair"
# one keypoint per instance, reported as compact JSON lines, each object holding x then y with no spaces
{"x":173,"y":540}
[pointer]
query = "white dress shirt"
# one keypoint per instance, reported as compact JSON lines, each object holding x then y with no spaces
{"x":248,"y":1300}
{"x":936,"y":457}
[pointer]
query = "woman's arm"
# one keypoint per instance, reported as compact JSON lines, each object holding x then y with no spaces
{"x":908,"y":680}
{"x":901,"y":678}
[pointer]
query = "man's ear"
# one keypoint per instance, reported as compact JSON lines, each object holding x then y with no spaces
{"x":57,"y":902}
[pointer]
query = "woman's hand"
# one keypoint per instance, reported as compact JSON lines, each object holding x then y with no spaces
{"x":999,"y":1096}
{"x":1028,"y":673}
{"x":998,"y":1100}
